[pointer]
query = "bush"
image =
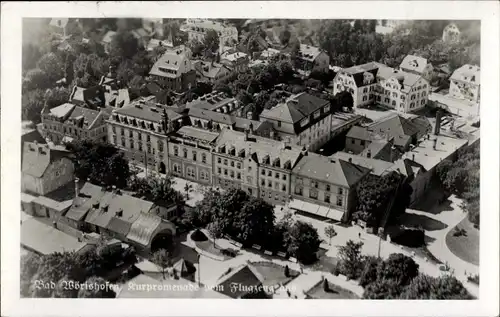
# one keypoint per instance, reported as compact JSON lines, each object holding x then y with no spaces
{"x":473,"y":279}
{"x":198,"y":236}
{"x":336,"y":270}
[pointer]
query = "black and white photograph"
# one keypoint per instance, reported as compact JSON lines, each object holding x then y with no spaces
{"x":185,"y":157}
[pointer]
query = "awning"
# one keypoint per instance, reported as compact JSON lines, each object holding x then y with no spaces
{"x":318,"y":210}
{"x":311,"y":208}
{"x":323,"y":211}
{"x":335,"y":214}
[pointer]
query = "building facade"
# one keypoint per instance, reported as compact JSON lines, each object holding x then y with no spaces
{"x":451,"y":33}
{"x":465,"y":83}
{"x":190,"y":154}
{"x":173,"y":70}
{"x":198,"y":28}
{"x":140,"y":131}
{"x":44,"y":169}
{"x":69,"y":122}
{"x":312,"y":58}
{"x":417,"y":65}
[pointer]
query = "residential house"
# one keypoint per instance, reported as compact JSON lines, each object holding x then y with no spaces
{"x":465,"y":83}
{"x":417,"y":65}
{"x":451,"y":33}
{"x":269,"y":53}
{"x":106,"y":41}
{"x":262,"y":167}
{"x":92,"y":97}
{"x":237,"y":62}
{"x":190,"y":154}
{"x":395,"y":129}
{"x":325,"y":187}
{"x":211,"y":120}
{"x":154,"y":43}
{"x":376,"y":166}
{"x":215,"y":101}
{"x":211,"y":72}
{"x":44,"y":169}
{"x":63,"y":27}
{"x":245,"y":281}
{"x":173,"y":70}
{"x":140,"y":131}
{"x":68,"y":122}
{"x":313,"y":59}
{"x":376,"y":83}
{"x":304,"y":119}
{"x":114,"y":95}
{"x":198,"y":28}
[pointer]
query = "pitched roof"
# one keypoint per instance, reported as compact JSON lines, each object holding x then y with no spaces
{"x":89,"y":195}
{"x":296,"y":108}
{"x":108,"y":36}
{"x":358,"y":71}
{"x":413,"y":63}
{"x":184,"y":267}
{"x":38,"y":157}
{"x":245,"y":275}
{"x":309,"y":53}
{"x":63,"y":110}
{"x":146,"y":109}
{"x":45,"y":239}
{"x":258,"y":147}
{"x":197,"y":134}
{"x":377,"y":167}
{"x":211,"y":115}
{"x":174,"y":62}
{"x":361,"y":133}
{"x":396,"y":125}
{"x":406,"y":79}
{"x":467,"y":73}
{"x":142,"y":229}
{"x":59,"y":206}
{"x":209,"y":70}
{"x":336,"y":171}
{"x":211,"y":101}
{"x":241,"y":124}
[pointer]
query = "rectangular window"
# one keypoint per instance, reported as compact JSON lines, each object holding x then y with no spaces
{"x":352,"y":141}
{"x":122,"y":132}
{"x":283,"y":187}
{"x":313,"y":194}
{"x":194,"y":156}
{"x":219,"y":170}
{"x":140,"y":147}
{"x":298,"y":190}
{"x":131,"y":144}
{"x":232,"y":164}
{"x":238,"y":165}
{"x":238,"y":176}
{"x":219,"y":160}
{"x":269,"y":184}
{"x":203,"y":158}
{"x":123,"y":142}
{"x":176,"y":151}
{"x":277,"y":175}
{"x":185,"y":153}
{"x":279,"y":123}
{"x":225,"y":171}
{"x":225,"y":162}
{"x":232,"y":174}
{"x":269,"y":173}
{"x":327,"y":198}
{"x":113,"y":128}
{"x":149,"y":149}
{"x":362,"y":142}
{"x":340,"y":191}
{"x":263,"y":172}
{"x":284,"y":177}
{"x":339,"y":201}
{"x":263,"y":182}
{"x":139,"y":135}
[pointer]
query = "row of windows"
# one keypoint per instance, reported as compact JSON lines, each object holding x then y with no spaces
{"x":229,"y":163}
{"x":270,"y":185}
{"x":194,"y":154}
{"x":315,"y":184}
{"x":314,"y":195}
{"x":231,"y":173}
{"x":191,"y":172}
{"x":269,"y":173}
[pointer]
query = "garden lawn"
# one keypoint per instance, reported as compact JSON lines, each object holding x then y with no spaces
{"x":335,"y":292}
{"x":465,"y":247}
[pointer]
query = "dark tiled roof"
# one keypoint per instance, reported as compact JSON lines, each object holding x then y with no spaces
{"x":336,"y":171}
{"x":360,"y":133}
{"x":358,"y":71}
{"x":296,"y":108}
{"x":89,"y":194}
{"x":147,"y":110}
{"x":377,"y":167}
{"x":246,"y":276}
{"x":218,"y":117}
{"x":196,"y":133}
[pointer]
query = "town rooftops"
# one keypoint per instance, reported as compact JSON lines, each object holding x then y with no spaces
{"x":108,"y":36}
{"x":308,"y":53}
{"x":38,"y":157}
{"x":142,"y":229}
{"x":396,"y":125}
{"x":425,"y":154}
{"x":59,"y":206}
{"x":467,"y":74}
{"x":154,"y":43}
{"x":263,"y":150}
{"x":117,"y":211}
{"x":147,"y":109}
{"x":232,"y":57}
{"x":413,"y":63}
{"x":212,"y":101}
{"x":246,"y":275}
{"x":203,"y":25}
{"x":218,"y":117}
{"x":59,"y":22}
{"x":377,"y":167}
{"x":295,"y":108}
{"x":332,"y":171}
{"x":174,"y":62}
{"x":209,"y":70}
{"x":45,"y":239}
{"x":88,"y":196}
{"x":358,"y":72}
{"x":190,"y":132}
{"x":406,"y":79}
{"x":148,"y":287}
{"x":360,"y":133}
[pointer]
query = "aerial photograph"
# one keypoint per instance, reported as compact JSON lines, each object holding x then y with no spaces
{"x":250,"y":158}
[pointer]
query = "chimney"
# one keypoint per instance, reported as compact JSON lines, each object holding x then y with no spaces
{"x":246,"y":134}
{"x":435,"y":143}
{"x":438,"y":122}
{"x":77,"y":188}
{"x":350,"y":160}
{"x":369,"y":154}
{"x":250,"y":126}
{"x":413,"y":157}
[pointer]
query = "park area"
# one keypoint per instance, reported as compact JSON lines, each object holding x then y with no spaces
{"x":463,"y":241}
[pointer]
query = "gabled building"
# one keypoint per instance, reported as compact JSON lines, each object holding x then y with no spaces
{"x":376,"y":83}
{"x":303,"y":119}
{"x":190,"y":154}
{"x":417,"y":65}
{"x":63,"y":27}
{"x":313,"y":59}
{"x":262,"y":167}
{"x":326,"y":187}
{"x":68,"y":122}
{"x":451,"y":33}
{"x":140,"y":131}
{"x":236,"y":62}
{"x":174,"y":70}
{"x":465,"y":83}
{"x":106,"y":40}
{"x":91,"y":98}
{"x":44,"y":169}
{"x":198,"y":28}
{"x":210,"y":72}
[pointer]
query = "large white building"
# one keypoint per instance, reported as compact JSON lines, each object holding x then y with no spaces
{"x":197,"y":29}
{"x":465,"y":83}
{"x":417,"y":65}
{"x":376,"y":83}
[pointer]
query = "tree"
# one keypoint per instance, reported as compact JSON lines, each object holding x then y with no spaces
{"x":162,"y":259}
{"x":303,"y":242}
{"x":427,"y":287}
{"x":96,"y":287}
{"x":30,"y":55}
{"x":56,"y":96}
{"x":101,"y":162}
{"x":330,"y":233}
{"x":211,"y":43}
{"x":52,"y":66}
{"x":398,"y":267}
{"x":370,"y":270}
{"x":187,"y":189}
{"x":344,"y":99}
{"x":123,"y":45}
{"x":382,"y":289}
{"x":255,"y":221}
{"x":350,"y":259}
{"x":29,"y":266}
{"x":36,"y":79}
{"x":285,"y":37}
{"x":216,"y":230}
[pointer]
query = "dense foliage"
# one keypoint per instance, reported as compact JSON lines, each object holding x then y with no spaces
{"x":100,"y":162}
